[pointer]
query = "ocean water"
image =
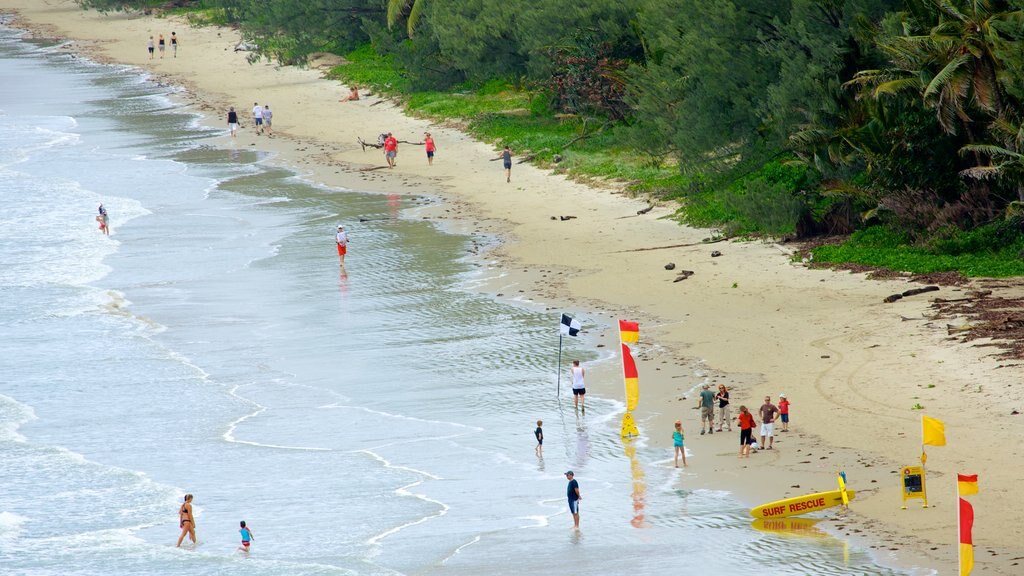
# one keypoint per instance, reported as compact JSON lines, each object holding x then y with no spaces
{"x":376,"y":420}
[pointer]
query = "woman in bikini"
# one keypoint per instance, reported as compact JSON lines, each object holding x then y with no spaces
{"x":187,"y":521}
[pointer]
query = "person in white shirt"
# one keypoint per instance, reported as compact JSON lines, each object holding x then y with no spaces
{"x":268,"y":118}
{"x":579,"y":389}
{"x":257,"y":116}
{"x":342,"y":240}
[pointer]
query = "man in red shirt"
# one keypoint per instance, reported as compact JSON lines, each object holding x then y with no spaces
{"x":390,"y":149}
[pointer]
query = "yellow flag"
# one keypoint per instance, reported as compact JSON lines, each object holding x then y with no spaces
{"x":933,"y":432}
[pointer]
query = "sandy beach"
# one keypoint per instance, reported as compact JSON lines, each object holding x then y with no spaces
{"x":853,"y":367}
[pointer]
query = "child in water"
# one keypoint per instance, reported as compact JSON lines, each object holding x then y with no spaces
{"x":539,"y":433}
{"x":246,"y":536}
{"x":677,"y":441}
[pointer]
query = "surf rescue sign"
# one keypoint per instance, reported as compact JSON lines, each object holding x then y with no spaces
{"x":793,"y":508}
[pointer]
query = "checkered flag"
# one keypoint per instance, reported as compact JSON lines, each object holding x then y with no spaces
{"x":569,"y":326}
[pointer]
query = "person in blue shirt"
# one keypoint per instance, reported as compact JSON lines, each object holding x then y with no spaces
{"x":677,"y":441}
{"x":539,"y":433}
{"x":247,"y":537}
{"x":572,"y":491}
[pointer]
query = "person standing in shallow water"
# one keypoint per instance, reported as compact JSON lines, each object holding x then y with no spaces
{"x":579,"y":387}
{"x":572,"y":491}
{"x":187,"y":521}
{"x":341,"y":238}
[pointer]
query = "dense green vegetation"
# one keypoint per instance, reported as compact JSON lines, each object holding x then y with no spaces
{"x":901,"y":121}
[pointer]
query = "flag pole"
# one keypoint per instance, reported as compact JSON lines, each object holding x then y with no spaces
{"x":558,"y":390}
{"x":924,"y":470}
{"x":959,"y":547}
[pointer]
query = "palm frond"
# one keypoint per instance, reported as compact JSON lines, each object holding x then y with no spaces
{"x":942,"y":79}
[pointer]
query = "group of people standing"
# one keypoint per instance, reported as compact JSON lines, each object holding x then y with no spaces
{"x":706,"y":403}
{"x":162,"y":44}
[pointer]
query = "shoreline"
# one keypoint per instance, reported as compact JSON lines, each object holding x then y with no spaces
{"x":750,"y":318}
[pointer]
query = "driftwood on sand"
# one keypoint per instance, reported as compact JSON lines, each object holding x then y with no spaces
{"x":364,"y":143}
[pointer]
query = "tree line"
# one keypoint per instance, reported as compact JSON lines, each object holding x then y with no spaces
{"x":818,"y":115}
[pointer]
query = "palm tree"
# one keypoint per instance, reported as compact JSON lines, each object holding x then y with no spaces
{"x":959,"y":69}
{"x":412,"y":9}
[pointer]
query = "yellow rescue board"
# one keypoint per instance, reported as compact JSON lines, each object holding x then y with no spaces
{"x":800,"y":504}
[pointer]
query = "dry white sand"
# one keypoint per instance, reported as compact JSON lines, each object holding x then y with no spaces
{"x":852,"y":366}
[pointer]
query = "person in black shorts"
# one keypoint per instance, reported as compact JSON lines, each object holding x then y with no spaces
{"x":539,"y":433}
{"x":174,"y":44}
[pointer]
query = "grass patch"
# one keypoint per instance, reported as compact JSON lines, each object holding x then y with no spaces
{"x":993,"y":256}
{"x":366,"y":68}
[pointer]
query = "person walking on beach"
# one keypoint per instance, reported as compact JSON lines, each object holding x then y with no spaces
{"x":257,"y":117}
{"x":539,"y":433}
{"x":268,"y":118}
{"x":390,"y":149}
{"x":232,"y":121}
{"x":746,"y":423}
{"x":428,"y":141}
{"x":342,"y":239}
{"x":723,"y":408}
{"x":163,"y":46}
{"x":174,"y":44}
{"x":506,"y":159}
{"x":572,"y":491}
{"x":706,"y":403}
{"x":579,"y":388}
{"x":768,"y":413}
{"x":247,"y":536}
{"x":104,"y":219}
{"x":784,"y":412}
{"x":187,"y":521}
{"x":677,"y":441}
{"x":149,"y":46}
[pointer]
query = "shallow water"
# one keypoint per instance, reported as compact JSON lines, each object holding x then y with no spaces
{"x":372,"y":421}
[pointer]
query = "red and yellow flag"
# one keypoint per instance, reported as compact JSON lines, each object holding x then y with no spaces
{"x":632,"y":378}
{"x":966,"y":484}
{"x":629,"y":331}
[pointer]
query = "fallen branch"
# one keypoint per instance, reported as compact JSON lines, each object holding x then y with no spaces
{"x":715,"y":241}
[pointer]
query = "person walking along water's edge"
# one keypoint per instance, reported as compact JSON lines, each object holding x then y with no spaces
{"x":232,"y":121}
{"x":187,"y":521}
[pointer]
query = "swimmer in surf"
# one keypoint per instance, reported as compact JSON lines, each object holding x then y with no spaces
{"x":187,"y":521}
